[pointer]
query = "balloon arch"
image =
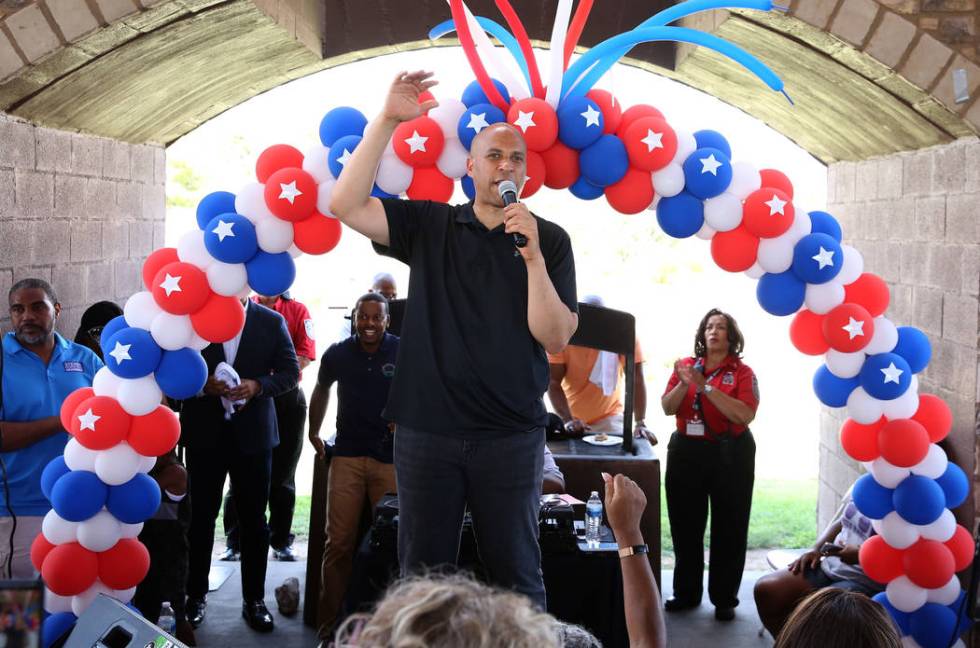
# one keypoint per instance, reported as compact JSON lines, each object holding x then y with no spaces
{"x":578,"y":138}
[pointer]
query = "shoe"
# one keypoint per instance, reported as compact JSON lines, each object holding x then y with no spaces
{"x":185,"y":633}
{"x":257,"y":616}
{"x":285,"y":554}
{"x":674,"y":604}
{"x":196,"y":609}
{"x":725,"y":613}
{"x":230,"y":555}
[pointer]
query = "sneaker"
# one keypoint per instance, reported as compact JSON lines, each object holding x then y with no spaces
{"x":230,"y":555}
{"x":285,"y":554}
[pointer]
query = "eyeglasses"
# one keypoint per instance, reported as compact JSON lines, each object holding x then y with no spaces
{"x":95,"y":332}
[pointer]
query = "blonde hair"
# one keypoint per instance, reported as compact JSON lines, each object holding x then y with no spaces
{"x":449,"y":612}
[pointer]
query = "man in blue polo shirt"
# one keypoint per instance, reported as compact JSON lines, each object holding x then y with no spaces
{"x":40,"y":369}
{"x":361,"y":466}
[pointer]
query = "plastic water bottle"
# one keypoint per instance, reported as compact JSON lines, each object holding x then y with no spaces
{"x":593,"y":519}
{"x":167,"y":621}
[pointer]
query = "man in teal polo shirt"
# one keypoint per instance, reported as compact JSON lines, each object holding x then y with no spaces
{"x":40,"y":369}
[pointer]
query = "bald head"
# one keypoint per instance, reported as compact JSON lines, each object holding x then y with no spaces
{"x":497,"y":153}
{"x":384,"y":284}
{"x":488,"y":134}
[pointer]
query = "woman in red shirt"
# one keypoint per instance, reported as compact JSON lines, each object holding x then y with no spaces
{"x":710,"y":458}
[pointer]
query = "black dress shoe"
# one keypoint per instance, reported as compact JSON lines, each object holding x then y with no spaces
{"x":725,"y":613}
{"x":284,"y":555}
{"x":230,"y":555}
{"x":674,"y":604}
{"x":257,"y":616}
{"x":196,"y":608}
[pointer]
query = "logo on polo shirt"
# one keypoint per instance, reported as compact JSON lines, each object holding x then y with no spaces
{"x":728,"y":379}
{"x":74,"y":366}
{"x":388,"y":370}
{"x":308,"y":324}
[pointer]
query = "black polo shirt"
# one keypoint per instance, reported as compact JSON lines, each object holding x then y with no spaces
{"x":468,"y":365}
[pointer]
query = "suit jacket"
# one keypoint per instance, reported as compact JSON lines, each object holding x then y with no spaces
{"x":265,"y":354}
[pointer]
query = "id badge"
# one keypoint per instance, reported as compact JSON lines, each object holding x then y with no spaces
{"x":695,"y":428}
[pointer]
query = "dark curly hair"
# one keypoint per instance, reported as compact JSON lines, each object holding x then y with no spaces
{"x":735,"y":341}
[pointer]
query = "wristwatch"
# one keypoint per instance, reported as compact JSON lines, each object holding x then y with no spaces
{"x":708,"y":389}
{"x":626,"y":552}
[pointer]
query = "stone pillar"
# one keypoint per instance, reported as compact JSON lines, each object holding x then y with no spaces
{"x":81,"y":212}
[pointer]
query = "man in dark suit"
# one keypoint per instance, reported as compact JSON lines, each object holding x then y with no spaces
{"x":240,"y":446}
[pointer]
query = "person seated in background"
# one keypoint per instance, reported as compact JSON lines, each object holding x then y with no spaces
{"x":94,"y":319}
{"x":832,"y":562}
{"x":586,"y":389}
{"x":838,"y":618}
{"x":553,"y":481}
{"x":384,"y":285}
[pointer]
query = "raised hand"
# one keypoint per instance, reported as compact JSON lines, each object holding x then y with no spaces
{"x":402,"y":102}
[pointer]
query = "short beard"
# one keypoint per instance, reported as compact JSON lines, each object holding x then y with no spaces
{"x":32,"y":340}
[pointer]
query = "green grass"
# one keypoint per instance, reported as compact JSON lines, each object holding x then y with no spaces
{"x":301,"y":517}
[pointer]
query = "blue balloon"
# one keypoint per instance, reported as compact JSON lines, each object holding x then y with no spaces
{"x":231,"y":238}
{"x":885,"y":376}
{"x":271,"y":274}
{"x":213,"y":204}
{"x":476,"y":118}
{"x":114,"y":325}
{"x":954,"y":484}
{"x":473,"y":94}
{"x":780,"y":294}
{"x":914,"y":346}
{"x":132,"y":353}
{"x":932,"y":625}
{"x":960,"y":609}
{"x":707,"y":173}
{"x":341,"y":122}
{"x":713,"y":139}
{"x":900,"y":618}
{"x":585,"y":190}
{"x":578,"y":126}
{"x":823,"y":223}
{"x":181,"y":373}
{"x":342,"y":148}
{"x":135,"y":501}
{"x":378,"y":192}
{"x":871,"y":498}
{"x":605,"y":162}
{"x":467,"y":183}
{"x":52,"y":473}
{"x":55,"y":627}
{"x":78,"y":495}
{"x":919,"y":500}
{"x":680,"y":216}
{"x":831,"y":390}
{"x":817,"y":258}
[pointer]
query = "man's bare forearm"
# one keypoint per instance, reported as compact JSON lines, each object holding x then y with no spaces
{"x":20,"y":435}
{"x":551,"y":322}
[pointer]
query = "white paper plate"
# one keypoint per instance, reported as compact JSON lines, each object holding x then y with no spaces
{"x":610,"y":440}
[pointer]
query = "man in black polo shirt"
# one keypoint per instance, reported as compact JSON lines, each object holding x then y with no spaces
{"x":467,"y":394}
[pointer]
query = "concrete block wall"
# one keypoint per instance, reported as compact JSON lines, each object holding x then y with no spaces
{"x":81,"y":212}
{"x":915,"y":218}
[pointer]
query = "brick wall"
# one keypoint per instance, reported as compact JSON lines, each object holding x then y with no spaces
{"x":81,"y":212}
{"x":915,"y":217}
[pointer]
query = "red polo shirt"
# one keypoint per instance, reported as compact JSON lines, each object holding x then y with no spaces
{"x":299,"y":324}
{"x":735,"y":379}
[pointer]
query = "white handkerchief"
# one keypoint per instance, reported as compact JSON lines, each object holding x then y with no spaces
{"x":605,"y":372}
{"x":227,"y":374}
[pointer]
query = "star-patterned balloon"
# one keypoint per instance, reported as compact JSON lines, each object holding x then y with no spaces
{"x":886,"y":376}
{"x":768,"y":213}
{"x":180,"y":288}
{"x":580,"y":122}
{"x":474,"y":119}
{"x":290,"y":194}
{"x":132,"y":353}
{"x":848,"y":328}
{"x":707,"y":173}
{"x":419,"y":142}
{"x":100,"y":423}
{"x":817,"y":258}
{"x":231,"y":238}
{"x":651,"y":143}
{"x":537,"y":120}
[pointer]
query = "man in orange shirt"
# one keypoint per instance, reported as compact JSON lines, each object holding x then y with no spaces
{"x":586,"y":389}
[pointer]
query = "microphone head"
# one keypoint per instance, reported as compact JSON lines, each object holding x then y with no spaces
{"x":507,"y":186}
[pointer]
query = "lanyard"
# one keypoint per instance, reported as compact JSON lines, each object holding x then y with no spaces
{"x":699,"y":366}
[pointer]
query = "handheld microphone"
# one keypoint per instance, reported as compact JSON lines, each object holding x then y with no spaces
{"x":508,"y":193}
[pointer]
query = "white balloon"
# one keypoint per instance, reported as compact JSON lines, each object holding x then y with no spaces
{"x":799,"y":228}
{"x":226,"y":279}
{"x":191,"y":249}
{"x":723,"y":212}
{"x":315,"y":163}
{"x":147,"y":463}
{"x":862,"y":407}
{"x":447,"y":115}
{"x":140,"y":396}
{"x":58,"y":530}
{"x":130,"y":530}
{"x":844,"y":365}
{"x":705,"y":233}
{"x":106,"y":383}
{"x":775,"y":254}
{"x":669,"y":181}
{"x":896,"y":531}
{"x":823,"y":298}
{"x":941,"y":529}
{"x":885,"y":337}
{"x":81,"y":602}
{"x":118,"y":464}
{"x":905,"y":405}
{"x":124,"y":596}
{"x":171,"y":331}
{"x":198,"y":343}
{"x":140,"y":309}
{"x":745,"y":180}
{"x":452,"y":160}
{"x":394,"y":176}
{"x":756,"y":271}
{"x":851,"y":267}
{"x":656,"y":199}
{"x":886,"y":474}
{"x":100,"y":532}
{"x":323,"y":193}
{"x":78,"y":457}
{"x":250,"y":202}
{"x":686,"y":144}
{"x":294,"y":251}
{"x":947,"y":594}
{"x":934,"y":465}
{"x":905,"y":595}
{"x":55,"y":603}
{"x":274,"y":234}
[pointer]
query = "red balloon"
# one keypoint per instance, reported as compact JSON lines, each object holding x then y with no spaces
{"x":124,"y":565}
{"x":735,"y":250}
{"x":220,"y":320}
{"x":880,"y":561}
{"x":317,"y":234}
{"x":419,"y":142}
{"x":961,"y":546}
{"x":633,"y":113}
{"x":903,"y":442}
{"x":424,"y":96}
{"x":156,"y":260}
{"x":71,"y":403}
{"x":154,"y":434}
{"x":848,"y":328}
{"x":290,"y":194}
{"x":40,"y":549}
{"x":806,"y":333}
{"x":650,"y":143}
{"x":70,"y":569}
{"x":929,"y":564}
{"x":100,"y":422}
{"x":180,"y":288}
{"x":561,"y":166}
{"x":773,"y":179}
{"x":633,"y":193}
{"x":534,"y":178}
{"x":276,"y":157}
{"x":859,"y":441}
{"x":935,"y":417}
{"x":537,"y":120}
{"x":430,"y":184}
{"x":612,"y":110}
{"x":869,"y":291}
{"x":767,"y":213}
